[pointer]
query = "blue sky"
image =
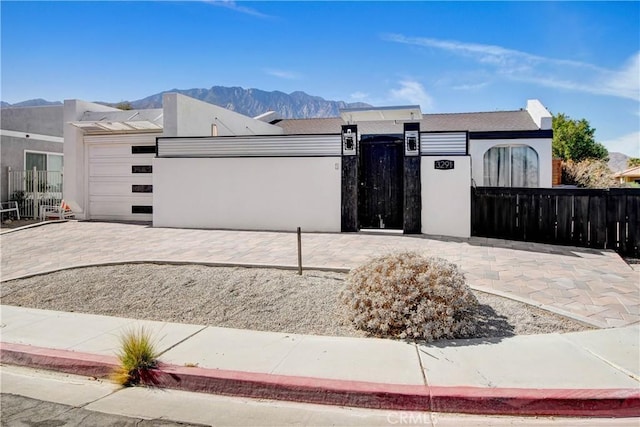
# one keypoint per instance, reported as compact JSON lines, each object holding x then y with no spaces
{"x":578,"y":58}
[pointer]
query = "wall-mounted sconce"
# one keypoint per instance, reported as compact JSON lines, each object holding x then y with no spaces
{"x":349,"y":140}
{"x":411,"y":139}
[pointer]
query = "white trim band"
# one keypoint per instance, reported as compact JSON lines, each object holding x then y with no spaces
{"x":29,"y":135}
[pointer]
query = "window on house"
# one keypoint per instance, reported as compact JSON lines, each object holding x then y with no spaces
{"x":140,"y":209}
{"x":54,"y":163}
{"x":142,"y":188}
{"x":43,"y":161}
{"x":141,"y":169}
{"x":143,"y":149}
{"x":511,"y":166}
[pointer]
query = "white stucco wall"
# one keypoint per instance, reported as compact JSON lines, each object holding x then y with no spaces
{"x":478,"y":147}
{"x":74,"y":178}
{"x":185,"y":116}
{"x":271,"y":193}
{"x":446,"y":197}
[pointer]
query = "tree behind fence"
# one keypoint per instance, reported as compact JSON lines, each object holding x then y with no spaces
{"x":578,"y":217}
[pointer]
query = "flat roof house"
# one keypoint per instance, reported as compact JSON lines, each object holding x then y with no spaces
{"x":505,"y":130}
{"x":112,"y":151}
{"x":193,"y":164}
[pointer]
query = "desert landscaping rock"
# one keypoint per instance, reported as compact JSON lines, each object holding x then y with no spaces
{"x":245,"y":298}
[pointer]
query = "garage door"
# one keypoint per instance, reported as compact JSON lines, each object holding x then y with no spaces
{"x":120,"y":177}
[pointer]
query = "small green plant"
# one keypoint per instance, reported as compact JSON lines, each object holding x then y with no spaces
{"x":138,"y":356}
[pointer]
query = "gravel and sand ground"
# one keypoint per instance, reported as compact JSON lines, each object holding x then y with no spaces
{"x":246,"y":298}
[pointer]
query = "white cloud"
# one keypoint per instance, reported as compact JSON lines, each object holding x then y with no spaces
{"x":283,"y":74}
{"x":475,"y":86}
{"x":628,"y":144}
{"x":626,"y":81}
{"x":412,"y":92}
{"x":233,"y":5}
{"x":540,"y":70}
{"x":359,"y":96}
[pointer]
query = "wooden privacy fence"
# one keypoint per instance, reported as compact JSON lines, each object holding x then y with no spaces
{"x":589,"y":218}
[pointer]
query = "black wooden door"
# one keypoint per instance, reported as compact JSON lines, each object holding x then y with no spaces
{"x":381,"y":194}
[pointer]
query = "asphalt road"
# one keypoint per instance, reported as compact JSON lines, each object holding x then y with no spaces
{"x":27,"y":412}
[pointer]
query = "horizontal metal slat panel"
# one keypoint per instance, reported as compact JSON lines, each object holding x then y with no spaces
{"x":446,"y":143}
{"x":271,"y":146}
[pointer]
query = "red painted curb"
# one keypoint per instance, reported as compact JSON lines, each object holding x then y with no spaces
{"x":57,"y":360}
{"x":522,"y":401}
{"x":473,"y":400}
{"x":297,"y":389}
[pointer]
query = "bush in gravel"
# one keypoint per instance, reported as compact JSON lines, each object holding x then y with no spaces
{"x":407,"y":295}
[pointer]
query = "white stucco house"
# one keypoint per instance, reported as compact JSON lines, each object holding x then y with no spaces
{"x":196,"y":165}
{"x":110,"y":152}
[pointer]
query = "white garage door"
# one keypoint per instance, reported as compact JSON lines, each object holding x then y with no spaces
{"x":120,"y":177}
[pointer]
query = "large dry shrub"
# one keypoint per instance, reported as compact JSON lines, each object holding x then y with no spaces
{"x":407,"y":295}
{"x":589,"y":173}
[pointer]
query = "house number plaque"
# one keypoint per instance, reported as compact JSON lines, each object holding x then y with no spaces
{"x":443,"y":164}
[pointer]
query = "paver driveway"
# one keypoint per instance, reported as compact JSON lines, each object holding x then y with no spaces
{"x":593,"y":285}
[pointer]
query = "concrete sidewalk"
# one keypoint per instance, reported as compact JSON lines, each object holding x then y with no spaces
{"x":593,"y":373}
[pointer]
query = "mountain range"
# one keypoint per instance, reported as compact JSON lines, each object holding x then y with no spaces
{"x":617,"y":161}
{"x":253,"y":102}
{"x":38,"y":102}
{"x":250,"y":102}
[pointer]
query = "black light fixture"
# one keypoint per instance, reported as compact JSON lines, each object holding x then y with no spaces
{"x":349,"y":140}
{"x":412,"y":139}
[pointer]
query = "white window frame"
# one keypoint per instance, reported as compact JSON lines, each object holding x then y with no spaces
{"x":48,"y":153}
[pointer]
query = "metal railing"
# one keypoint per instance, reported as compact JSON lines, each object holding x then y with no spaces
{"x":34,"y":188}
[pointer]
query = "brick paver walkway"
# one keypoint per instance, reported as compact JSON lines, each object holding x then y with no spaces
{"x":593,"y":285}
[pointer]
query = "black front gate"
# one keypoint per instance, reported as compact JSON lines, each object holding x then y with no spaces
{"x":381,"y":180}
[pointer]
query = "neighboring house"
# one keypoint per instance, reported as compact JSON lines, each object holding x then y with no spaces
{"x":30,"y":137}
{"x":629,"y":175}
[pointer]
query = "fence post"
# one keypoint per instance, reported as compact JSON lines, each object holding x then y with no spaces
{"x":36,"y":196}
{"x":8,"y":182}
{"x":299,"y":251}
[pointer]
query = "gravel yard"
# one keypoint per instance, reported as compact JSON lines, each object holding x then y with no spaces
{"x":246,"y":298}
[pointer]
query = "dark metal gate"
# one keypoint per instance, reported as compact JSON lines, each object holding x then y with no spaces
{"x":381,"y":181}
